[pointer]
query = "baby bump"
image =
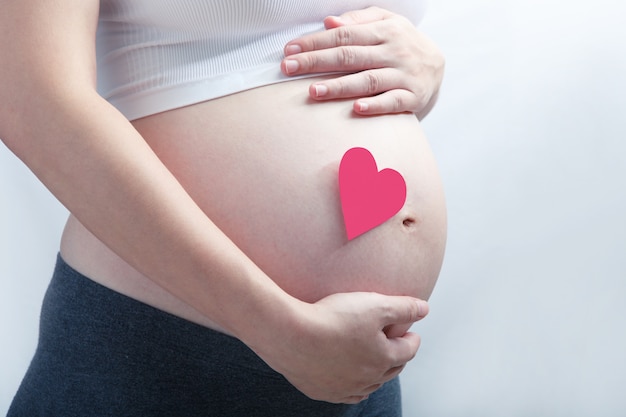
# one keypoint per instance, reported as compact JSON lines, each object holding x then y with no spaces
{"x":264,"y":166}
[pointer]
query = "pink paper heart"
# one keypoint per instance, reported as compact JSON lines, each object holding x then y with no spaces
{"x":368,"y":197}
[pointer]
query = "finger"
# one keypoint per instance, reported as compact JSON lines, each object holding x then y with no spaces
{"x":345,"y":59}
{"x":404,"y":310}
{"x":394,"y":101}
{"x":402,"y":350}
{"x":421,"y":113}
{"x":340,"y":36}
{"x":364,"y":395}
{"x":371,"y":14}
{"x":355,"y":399}
{"x":397,"y":330}
{"x":372,"y":388}
{"x":393,"y":372}
{"x":361,"y":84}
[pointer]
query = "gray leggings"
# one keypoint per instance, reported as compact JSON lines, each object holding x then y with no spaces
{"x":101,"y":353}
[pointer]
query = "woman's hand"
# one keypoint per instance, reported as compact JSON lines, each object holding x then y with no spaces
{"x":395,"y":68}
{"x":345,"y":346}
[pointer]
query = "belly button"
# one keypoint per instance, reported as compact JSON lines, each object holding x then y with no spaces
{"x":409,"y":222}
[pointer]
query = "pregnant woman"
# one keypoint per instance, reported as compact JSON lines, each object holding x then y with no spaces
{"x":205,"y":267}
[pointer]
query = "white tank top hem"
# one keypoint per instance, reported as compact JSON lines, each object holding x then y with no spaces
{"x":159,"y":55}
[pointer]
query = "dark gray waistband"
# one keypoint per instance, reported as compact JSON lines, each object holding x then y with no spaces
{"x":103,"y":353}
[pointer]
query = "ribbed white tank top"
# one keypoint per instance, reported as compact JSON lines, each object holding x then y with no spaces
{"x":158,"y":55}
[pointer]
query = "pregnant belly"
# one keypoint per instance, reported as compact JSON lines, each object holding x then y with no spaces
{"x":263,"y":165}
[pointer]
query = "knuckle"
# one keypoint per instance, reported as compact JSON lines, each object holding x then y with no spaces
{"x":388,"y":312}
{"x":408,"y":312}
{"x":397,"y":105}
{"x":398,"y":27}
{"x":412,"y":311}
{"x":394,"y":30}
{"x":343,"y":36}
{"x":373,"y":83}
{"x":347,"y":56}
{"x":421,"y":98}
{"x":337,"y":88}
{"x":308,"y":62}
{"x":404,"y":53}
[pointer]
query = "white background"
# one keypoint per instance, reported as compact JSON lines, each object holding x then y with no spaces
{"x":527,"y":318}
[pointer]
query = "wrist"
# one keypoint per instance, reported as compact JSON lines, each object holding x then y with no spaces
{"x":267,"y":316}
{"x":280,"y":330}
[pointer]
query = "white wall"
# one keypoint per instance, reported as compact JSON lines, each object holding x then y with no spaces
{"x":31,"y":221}
{"x":529,"y":132}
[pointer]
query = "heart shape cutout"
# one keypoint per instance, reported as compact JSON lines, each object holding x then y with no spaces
{"x":368,"y":197}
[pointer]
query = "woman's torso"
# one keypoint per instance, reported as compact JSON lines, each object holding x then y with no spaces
{"x":263,"y":165}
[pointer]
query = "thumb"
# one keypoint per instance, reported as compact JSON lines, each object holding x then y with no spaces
{"x":355,"y":17}
{"x":404,"y":348}
{"x":405,"y":310}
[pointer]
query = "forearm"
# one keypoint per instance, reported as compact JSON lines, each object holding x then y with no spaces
{"x":100,"y":168}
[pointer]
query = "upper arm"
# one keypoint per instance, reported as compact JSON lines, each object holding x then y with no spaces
{"x":47,"y":47}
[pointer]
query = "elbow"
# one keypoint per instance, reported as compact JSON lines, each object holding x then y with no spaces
{"x":33,"y":115}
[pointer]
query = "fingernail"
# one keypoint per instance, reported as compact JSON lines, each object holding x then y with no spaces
{"x":362,"y":106}
{"x":320,"y":90}
{"x":291,"y":66}
{"x":422,"y":307}
{"x":338,"y":19}
{"x":293,"y":49}
{"x":345,"y":20}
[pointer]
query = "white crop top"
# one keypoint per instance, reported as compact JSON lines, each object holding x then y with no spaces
{"x":158,"y":55}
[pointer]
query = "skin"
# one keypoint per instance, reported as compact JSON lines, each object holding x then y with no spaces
{"x":97,"y":164}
